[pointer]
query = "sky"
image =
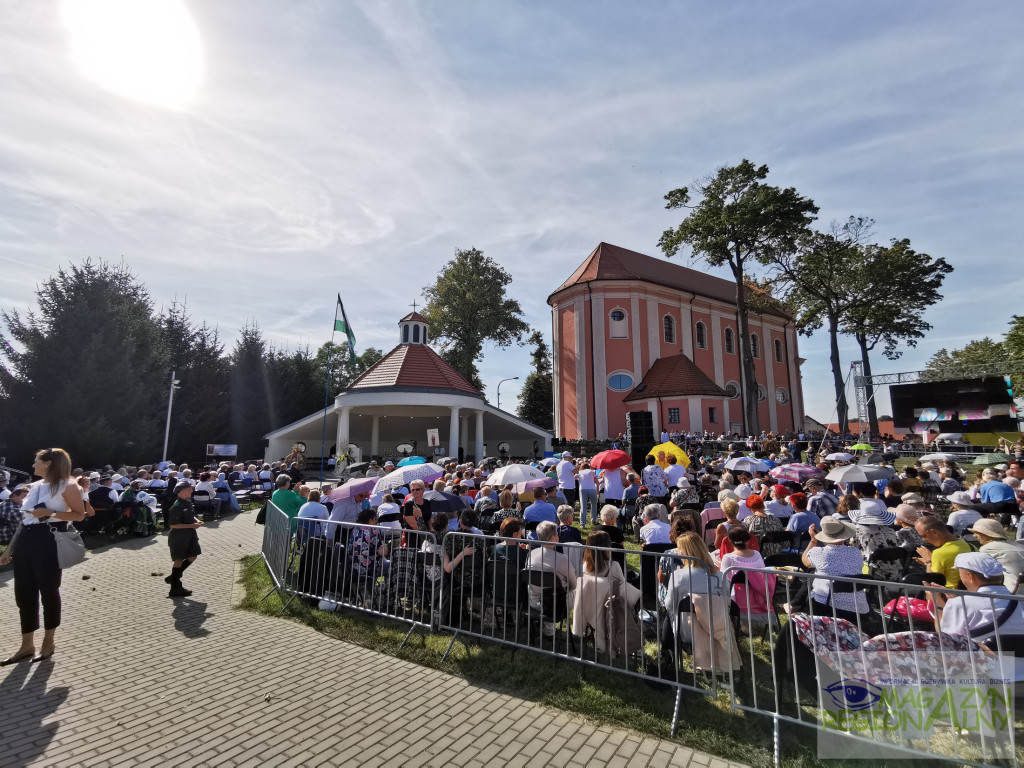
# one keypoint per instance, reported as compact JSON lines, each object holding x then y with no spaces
{"x":256,"y":158}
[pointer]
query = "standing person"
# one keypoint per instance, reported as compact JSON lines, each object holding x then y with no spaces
{"x":614,"y":481}
{"x":566,"y":471}
{"x":588,"y":493}
{"x":183,"y":541}
{"x":653,"y":477}
{"x":52,"y":503}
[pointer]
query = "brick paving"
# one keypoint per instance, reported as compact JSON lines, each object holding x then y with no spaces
{"x":141,"y":680}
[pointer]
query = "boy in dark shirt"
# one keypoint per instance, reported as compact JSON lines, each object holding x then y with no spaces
{"x":183,"y":540}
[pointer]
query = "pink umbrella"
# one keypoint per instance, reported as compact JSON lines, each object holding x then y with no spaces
{"x":795,"y":472}
{"x":353,"y":488}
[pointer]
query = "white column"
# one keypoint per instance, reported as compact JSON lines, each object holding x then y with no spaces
{"x":768,"y":355}
{"x":652,"y":406}
{"x":479,"y":446}
{"x":686,"y":328}
{"x":716,"y":350}
{"x":343,"y":429}
{"x":453,"y":433}
{"x":375,"y":436}
{"x":654,"y":330}
{"x":696,"y":414}
{"x":634,"y":331}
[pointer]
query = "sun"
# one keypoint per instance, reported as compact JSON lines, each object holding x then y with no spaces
{"x":147,"y":50}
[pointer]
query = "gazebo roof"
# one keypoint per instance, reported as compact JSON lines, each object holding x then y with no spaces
{"x":412,"y":366}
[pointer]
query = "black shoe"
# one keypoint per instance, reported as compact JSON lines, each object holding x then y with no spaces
{"x":18,"y":657}
{"x":179,"y":591}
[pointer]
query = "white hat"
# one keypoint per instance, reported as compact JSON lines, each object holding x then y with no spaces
{"x":961,"y":499}
{"x":117,"y":478}
{"x":743,"y":490}
{"x":979,"y":562}
{"x":682,"y":482}
{"x":94,"y":475}
{"x":566,"y":455}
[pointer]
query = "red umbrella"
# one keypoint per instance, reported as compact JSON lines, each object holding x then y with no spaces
{"x":610,"y":460}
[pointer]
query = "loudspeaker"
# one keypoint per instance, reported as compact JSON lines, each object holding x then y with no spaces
{"x":638,"y":455}
{"x":637,"y":420}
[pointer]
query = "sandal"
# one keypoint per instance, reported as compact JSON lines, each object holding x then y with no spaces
{"x":18,"y":657}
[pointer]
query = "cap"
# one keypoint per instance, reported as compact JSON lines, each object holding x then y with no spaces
{"x":979,"y":562}
{"x":94,"y":475}
{"x":988,"y":527}
{"x":814,"y":482}
{"x":566,"y":455}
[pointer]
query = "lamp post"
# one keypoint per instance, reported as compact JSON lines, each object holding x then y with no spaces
{"x":514,"y":378}
{"x":170,"y":402}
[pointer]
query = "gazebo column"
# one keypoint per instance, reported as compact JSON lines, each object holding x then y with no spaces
{"x":344,"y":417}
{"x":479,"y":447}
{"x":453,"y":433}
{"x":375,"y":436}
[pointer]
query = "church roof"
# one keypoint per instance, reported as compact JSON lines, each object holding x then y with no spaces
{"x":610,"y":262}
{"x":675,"y":376}
{"x":413,"y":317}
{"x":412,"y":366}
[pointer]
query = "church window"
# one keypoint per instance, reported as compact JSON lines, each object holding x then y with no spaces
{"x":755,"y":345}
{"x":673,"y":415}
{"x":701,"y":332}
{"x":732,"y":390}
{"x":730,"y":342}
{"x":405,"y":334}
{"x":670,"y":329}
{"x":620,"y":382}
{"x":416,"y":334}
{"x":618,"y":327}
{"x":778,"y":351}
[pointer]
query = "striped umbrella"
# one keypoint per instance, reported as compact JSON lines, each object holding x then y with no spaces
{"x":796,"y":473}
{"x":428,"y":473}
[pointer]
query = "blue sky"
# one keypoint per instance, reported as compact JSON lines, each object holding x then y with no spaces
{"x":353,"y":146}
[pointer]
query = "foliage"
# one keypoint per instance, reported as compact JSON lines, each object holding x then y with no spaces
{"x":82,"y":367}
{"x":343,"y":366}
{"x":253,"y":409}
{"x":536,"y":400}
{"x":469,"y":305}
{"x":743,"y":223}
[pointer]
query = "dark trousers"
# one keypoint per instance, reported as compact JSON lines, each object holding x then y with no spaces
{"x":570,"y":495}
{"x":37,"y":577}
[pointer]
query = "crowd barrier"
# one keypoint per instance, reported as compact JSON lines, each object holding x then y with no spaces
{"x":870,"y":680}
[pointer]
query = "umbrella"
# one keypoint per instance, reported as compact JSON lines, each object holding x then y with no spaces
{"x":610,"y":459}
{"x":540,"y":482}
{"x":839,"y":457}
{"x":746,"y":464}
{"x":488,"y":460}
{"x":446,"y":460}
{"x":444,"y":502}
{"x":353,"y":488}
{"x":990,"y":459}
{"x":860,"y":447}
{"x":410,"y":461}
{"x":428,"y":473}
{"x":859,"y":473}
{"x":871,"y":458}
{"x":662,"y":451}
{"x":514,"y":473}
{"x":550,"y":461}
{"x":360,"y":467}
{"x":890,"y":456}
{"x":939,"y":457}
{"x":796,"y":472}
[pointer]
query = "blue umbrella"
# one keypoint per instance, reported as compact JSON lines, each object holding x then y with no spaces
{"x":409,"y":461}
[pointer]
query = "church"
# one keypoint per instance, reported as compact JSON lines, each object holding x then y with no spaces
{"x":631,"y":332}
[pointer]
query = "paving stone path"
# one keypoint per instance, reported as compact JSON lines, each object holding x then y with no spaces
{"x":141,"y":680}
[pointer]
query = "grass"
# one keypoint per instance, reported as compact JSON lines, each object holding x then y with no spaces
{"x":602,"y":696}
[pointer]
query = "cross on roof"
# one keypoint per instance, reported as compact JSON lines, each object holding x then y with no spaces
{"x":413,"y":306}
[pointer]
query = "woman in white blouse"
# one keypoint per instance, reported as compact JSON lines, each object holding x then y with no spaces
{"x":52,"y":503}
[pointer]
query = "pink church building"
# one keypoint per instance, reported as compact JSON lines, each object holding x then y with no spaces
{"x":631,"y":332}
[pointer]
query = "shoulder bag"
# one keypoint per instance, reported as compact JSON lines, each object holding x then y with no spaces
{"x":70,"y":547}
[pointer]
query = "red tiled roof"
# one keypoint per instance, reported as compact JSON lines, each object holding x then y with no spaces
{"x":415,"y":317}
{"x":610,"y":262}
{"x":413,"y":365}
{"x":675,"y":376}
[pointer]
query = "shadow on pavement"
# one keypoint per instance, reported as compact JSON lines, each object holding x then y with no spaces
{"x":25,"y":703}
{"x":189,"y":616}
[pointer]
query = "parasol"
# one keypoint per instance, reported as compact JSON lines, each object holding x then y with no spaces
{"x":428,"y":473}
{"x":662,"y":451}
{"x":610,"y":459}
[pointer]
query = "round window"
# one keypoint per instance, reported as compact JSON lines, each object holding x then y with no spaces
{"x":618,"y":315}
{"x":762,"y":394}
{"x":732,"y":390}
{"x":620,"y":382}
{"x":781,"y":395}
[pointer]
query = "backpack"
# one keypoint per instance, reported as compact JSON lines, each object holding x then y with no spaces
{"x":622,"y":625}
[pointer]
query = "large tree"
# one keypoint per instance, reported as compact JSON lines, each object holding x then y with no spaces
{"x":902,"y":284}
{"x":536,"y":400}
{"x":254,"y":410}
{"x":743,"y":223}
{"x":467,"y":306}
{"x":344,"y":367}
{"x":83,"y":371}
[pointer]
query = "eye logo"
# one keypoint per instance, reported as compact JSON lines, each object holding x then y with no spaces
{"x":854,"y":695}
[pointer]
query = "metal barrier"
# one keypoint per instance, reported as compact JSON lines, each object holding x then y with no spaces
{"x":763,"y":637}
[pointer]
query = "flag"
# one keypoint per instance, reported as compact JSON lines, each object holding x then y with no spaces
{"x":344,"y":326}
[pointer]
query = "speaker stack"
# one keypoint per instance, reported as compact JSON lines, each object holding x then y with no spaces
{"x":640,"y":433}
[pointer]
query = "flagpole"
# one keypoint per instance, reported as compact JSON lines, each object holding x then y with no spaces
{"x":327,"y":390}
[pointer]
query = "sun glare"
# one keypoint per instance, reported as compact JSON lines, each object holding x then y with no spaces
{"x":148,"y":50}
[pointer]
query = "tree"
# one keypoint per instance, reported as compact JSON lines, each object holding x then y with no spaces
{"x":343,"y":366}
{"x":536,"y":400}
{"x":956,"y":364}
{"x":469,"y":305}
{"x":82,"y":372}
{"x":253,"y":409}
{"x":740,"y":222}
{"x":892,"y":316}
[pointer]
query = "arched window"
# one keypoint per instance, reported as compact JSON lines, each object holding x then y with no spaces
{"x":618,"y":326}
{"x":415,"y":334}
{"x":670,"y":329}
{"x":778,"y":350}
{"x":755,"y":345}
{"x":405,"y":334}
{"x":701,"y":332}
{"x":730,"y":341}
{"x":424,"y":334}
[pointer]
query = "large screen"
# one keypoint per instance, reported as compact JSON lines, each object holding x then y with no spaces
{"x":974,"y":405}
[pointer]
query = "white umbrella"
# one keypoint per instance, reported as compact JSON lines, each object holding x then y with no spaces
{"x":428,"y":473}
{"x":860,"y":473}
{"x":939,"y":457}
{"x":550,"y":461}
{"x":840,"y":456}
{"x":746,"y":464}
{"x":514,"y":473}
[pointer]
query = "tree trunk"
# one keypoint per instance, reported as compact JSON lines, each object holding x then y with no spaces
{"x":747,"y":374}
{"x":842,"y":408}
{"x":869,"y":390}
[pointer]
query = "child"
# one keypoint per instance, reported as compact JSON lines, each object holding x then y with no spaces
{"x":183,"y":539}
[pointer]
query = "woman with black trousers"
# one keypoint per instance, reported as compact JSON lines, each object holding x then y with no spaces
{"x":53,"y":502}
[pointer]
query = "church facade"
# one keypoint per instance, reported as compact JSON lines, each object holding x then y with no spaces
{"x":631,"y":332}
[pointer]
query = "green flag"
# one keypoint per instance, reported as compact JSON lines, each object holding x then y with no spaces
{"x":342,"y":325}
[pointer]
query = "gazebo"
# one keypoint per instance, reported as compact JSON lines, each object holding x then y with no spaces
{"x":401,"y":400}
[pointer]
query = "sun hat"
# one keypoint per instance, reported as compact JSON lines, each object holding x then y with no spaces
{"x":872,"y":512}
{"x":908,"y":513}
{"x":961,"y":499}
{"x":835,"y":531}
{"x":912,"y":498}
{"x":682,"y":482}
{"x":566,"y":455}
{"x":988,"y":527}
{"x":727,"y":494}
{"x":979,"y":562}
{"x":743,"y":490}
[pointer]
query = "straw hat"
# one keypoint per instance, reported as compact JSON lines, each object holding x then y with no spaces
{"x":835,"y":531}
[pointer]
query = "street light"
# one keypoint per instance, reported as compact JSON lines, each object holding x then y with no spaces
{"x":514,"y":378}
{"x":170,"y":401}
